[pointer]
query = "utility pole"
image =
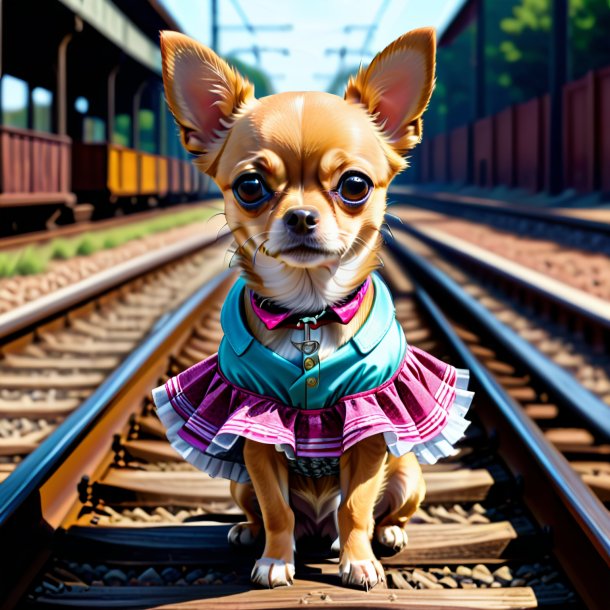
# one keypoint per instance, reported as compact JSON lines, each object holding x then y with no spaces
{"x":479,"y":99}
{"x":215,"y":27}
{"x":246,"y":25}
{"x":368,"y":28}
{"x":252,"y":29}
{"x":343,"y":52}
{"x":557,"y":80}
{"x":373,"y":26}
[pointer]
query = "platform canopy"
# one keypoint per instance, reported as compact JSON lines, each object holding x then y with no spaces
{"x":105,"y":17}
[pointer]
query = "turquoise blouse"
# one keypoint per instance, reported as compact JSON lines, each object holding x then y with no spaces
{"x":364,"y":363}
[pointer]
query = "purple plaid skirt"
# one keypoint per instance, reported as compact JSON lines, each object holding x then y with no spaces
{"x":420,"y":409}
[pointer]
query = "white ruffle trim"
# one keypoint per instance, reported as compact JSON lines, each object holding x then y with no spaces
{"x":428,"y":452}
{"x":213,"y":466}
{"x":442,"y":445}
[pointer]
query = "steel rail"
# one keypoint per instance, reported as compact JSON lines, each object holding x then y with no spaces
{"x":586,"y":556}
{"x":571,"y":393}
{"x":45,"y":308}
{"x":453,"y":202}
{"x":589,"y":314}
{"x":594,"y":513}
{"x":17,"y":489}
{"x":569,"y":503}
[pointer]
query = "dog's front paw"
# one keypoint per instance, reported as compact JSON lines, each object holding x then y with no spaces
{"x":392,"y":536}
{"x":243,"y":534}
{"x":271,"y":573}
{"x":365,"y":573}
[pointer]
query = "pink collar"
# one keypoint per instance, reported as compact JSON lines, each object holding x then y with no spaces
{"x":286,"y":318}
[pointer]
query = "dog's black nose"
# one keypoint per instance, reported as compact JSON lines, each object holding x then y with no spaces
{"x":301,"y":221}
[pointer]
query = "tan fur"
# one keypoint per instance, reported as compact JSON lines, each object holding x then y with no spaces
{"x":270,"y":480}
{"x":224,"y":89}
{"x":301,"y":144}
{"x":361,"y":480}
{"x":245,"y":497}
{"x":371,"y":85}
{"x":403,"y":492}
{"x":318,"y":493}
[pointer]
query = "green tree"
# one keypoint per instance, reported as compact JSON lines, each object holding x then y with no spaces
{"x":521,"y":49}
{"x":589,"y":27}
{"x":518,"y":46}
{"x":122,"y":130}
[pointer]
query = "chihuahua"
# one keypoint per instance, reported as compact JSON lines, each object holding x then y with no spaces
{"x":304,"y":177}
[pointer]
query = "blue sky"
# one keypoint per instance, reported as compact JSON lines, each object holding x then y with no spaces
{"x":318,"y":25}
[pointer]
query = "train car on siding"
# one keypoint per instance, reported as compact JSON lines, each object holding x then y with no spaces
{"x":85,"y":132}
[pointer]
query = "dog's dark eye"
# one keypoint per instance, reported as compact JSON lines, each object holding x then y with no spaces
{"x":354,"y":188}
{"x":251,"y":191}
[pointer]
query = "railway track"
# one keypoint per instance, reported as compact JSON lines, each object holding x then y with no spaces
{"x":58,"y":350}
{"x":506,"y":523}
{"x":571,"y":327}
{"x":47,"y":374}
{"x":569,"y":396}
{"x":585,"y":229}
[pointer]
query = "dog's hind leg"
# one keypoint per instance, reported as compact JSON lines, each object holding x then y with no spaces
{"x":362,"y":471}
{"x":269,"y":473}
{"x":245,"y":534}
{"x":404,"y":491}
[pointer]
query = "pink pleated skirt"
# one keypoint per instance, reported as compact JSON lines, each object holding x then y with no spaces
{"x":420,"y":409}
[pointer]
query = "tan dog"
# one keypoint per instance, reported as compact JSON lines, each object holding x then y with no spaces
{"x":304,"y":178}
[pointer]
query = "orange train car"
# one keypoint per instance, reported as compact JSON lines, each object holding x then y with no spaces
{"x":114,"y":174}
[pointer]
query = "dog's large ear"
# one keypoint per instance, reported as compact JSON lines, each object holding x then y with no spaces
{"x":203,"y":92}
{"x":397,"y":86}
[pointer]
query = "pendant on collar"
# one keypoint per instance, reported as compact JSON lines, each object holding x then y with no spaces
{"x":308,"y":346}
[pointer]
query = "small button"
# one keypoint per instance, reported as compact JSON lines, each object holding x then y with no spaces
{"x":308,"y":363}
{"x":312,"y":382}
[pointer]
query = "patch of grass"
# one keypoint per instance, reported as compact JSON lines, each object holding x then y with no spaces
{"x":111,"y":241}
{"x":63,"y":249}
{"x":30,"y":262}
{"x":35,"y":259}
{"x":90,"y":244}
{"x":8,"y":263}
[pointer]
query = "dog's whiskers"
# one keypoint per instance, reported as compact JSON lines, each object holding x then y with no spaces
{"x":252,"y":237}
{"x":226,"y":224}
{"x":354,"y":259}
{"x":256,"y":251}
{"x":214,"y":216}
{"x":231,"y":260}
{"x":359,"y":240}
